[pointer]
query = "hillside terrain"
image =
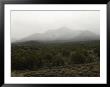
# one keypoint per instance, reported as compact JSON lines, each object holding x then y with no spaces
{"x":55,"y":59}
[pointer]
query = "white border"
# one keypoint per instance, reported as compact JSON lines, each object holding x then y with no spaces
{"x":57,"y":80}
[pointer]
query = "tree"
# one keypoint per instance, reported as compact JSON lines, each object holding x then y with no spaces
{"x":78,"y":57}
{"x":58,"y":60}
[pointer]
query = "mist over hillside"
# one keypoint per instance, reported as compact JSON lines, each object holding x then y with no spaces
{"x":55,"y":43}
{"x":62,"y":34}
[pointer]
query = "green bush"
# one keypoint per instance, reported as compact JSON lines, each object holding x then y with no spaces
{"x":78,"y":58}
{"x":58,"y":60}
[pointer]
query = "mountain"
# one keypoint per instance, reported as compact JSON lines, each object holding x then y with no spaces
{"x":62,"y":34}
{"x":86,"y":35}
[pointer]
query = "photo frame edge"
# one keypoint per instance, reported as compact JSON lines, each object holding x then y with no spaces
{"x":2,"y":44}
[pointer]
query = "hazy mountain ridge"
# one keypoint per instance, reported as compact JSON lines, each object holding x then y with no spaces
{"x":62,"y":34}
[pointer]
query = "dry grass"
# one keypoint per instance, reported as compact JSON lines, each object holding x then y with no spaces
{"x":77,"y":70}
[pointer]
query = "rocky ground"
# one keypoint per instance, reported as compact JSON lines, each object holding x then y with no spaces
{"x":77,"y":70}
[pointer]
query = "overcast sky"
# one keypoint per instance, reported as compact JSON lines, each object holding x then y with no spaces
{"x":25,"y":23}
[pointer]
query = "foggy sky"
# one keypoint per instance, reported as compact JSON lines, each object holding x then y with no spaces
{"x":25,"y":23}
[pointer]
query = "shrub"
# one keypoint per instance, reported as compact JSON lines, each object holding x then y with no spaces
{"x":58,"y":60}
